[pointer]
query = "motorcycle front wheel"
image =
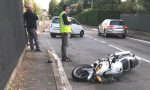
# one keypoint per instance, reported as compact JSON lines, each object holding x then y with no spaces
{"x":80,"y":72}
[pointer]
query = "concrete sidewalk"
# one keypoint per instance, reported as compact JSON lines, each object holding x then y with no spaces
{"x":34,"y":72}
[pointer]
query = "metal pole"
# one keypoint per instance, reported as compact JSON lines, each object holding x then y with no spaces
{"x":92,"y":4}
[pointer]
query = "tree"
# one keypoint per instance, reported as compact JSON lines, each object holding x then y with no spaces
{"x":106,"y":4}
{"x":26,"y":2}
{"x":53,"y":6}
{"x":145,"y":4}
{"x":78,"y":8}
{"x":135,"y":6}
{"x":87,"y":4}
{"x":128,"y":7}
{"x":36,"y":9}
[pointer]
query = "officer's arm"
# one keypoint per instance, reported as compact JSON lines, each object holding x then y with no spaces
{"x":65,"y":19}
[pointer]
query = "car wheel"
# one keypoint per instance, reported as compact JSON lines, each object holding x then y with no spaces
{"x":53,"y":35}
{"x":81,"y":33}
{"x":124,"y":35}
{"x":99,"y":32}
{"x":70,"y":35}
{"x":105,"y":34}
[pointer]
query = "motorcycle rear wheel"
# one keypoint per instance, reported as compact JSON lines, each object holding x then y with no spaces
{"x":79,"y":74}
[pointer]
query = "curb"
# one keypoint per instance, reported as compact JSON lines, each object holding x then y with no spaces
{"x":15,"y":70}
{"x":61,"y":80}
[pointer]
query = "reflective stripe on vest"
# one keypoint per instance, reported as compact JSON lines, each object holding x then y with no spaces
{"x":64,"y":28}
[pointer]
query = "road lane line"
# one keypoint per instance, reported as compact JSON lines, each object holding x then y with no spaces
{"x":118,"y":49}
{"x":102,"y":42}
{"x":139,"y":40}
{"x":143,"y":59}
{"x":95,"y":39}
{"x":124,"y":50}
{"x":93,"y":29}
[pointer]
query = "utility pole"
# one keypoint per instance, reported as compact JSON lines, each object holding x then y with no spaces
{"x":92,"y":4}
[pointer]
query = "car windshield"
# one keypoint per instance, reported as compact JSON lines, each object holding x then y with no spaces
{"x":55,"y":20}
{"x":117,"y":23}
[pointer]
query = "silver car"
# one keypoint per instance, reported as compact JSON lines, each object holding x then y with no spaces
{"x":113,"y":27}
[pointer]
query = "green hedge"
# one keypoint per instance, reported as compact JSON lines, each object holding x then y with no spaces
{"x":95,"y":17}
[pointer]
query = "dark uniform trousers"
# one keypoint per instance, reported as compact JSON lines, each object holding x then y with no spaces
{"x":65,"y":44}
{"x":33,"y":38}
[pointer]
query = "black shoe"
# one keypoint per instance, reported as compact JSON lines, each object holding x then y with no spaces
{"x":67,"y":60}
{"x":38,"y":50}
{"x":49,"y":61}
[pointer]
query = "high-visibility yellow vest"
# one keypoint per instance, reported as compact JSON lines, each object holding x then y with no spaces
{"x":64,"y":28}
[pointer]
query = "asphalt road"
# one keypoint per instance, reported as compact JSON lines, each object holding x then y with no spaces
{"x":88,"y":49}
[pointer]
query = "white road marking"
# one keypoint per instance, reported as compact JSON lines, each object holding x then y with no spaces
{"x":124,"y":50}
{"x":143,"y":59}
{"x":118,"y":48}
{"x":61,"y":71}
{"x":102,"y":41}
{"x":84,"y":27}
{"x":93,"y":29}
{"x":95,"y":39}
{"x":139,"y":40}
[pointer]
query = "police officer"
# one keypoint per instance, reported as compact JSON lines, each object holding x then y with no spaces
{"x":31,"y":25}
{"x":65,"y":30}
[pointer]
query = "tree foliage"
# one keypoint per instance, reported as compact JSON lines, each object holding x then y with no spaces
{"x":96,"y":16}
{"x":36,"y":9}
{"x":145,"y":4}
{"x":77,"y":6}
{"x":26,"y":2}
{"x":53,"y":7}
{"x":128,"y":7}
{"x":106,"y":4}
{"x":135,"y":6}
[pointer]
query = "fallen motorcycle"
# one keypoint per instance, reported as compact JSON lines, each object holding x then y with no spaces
{"x":110,"y":68}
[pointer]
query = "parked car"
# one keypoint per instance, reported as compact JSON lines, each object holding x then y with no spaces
{"x":113,"y":27}
{"x":77,"y":29}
